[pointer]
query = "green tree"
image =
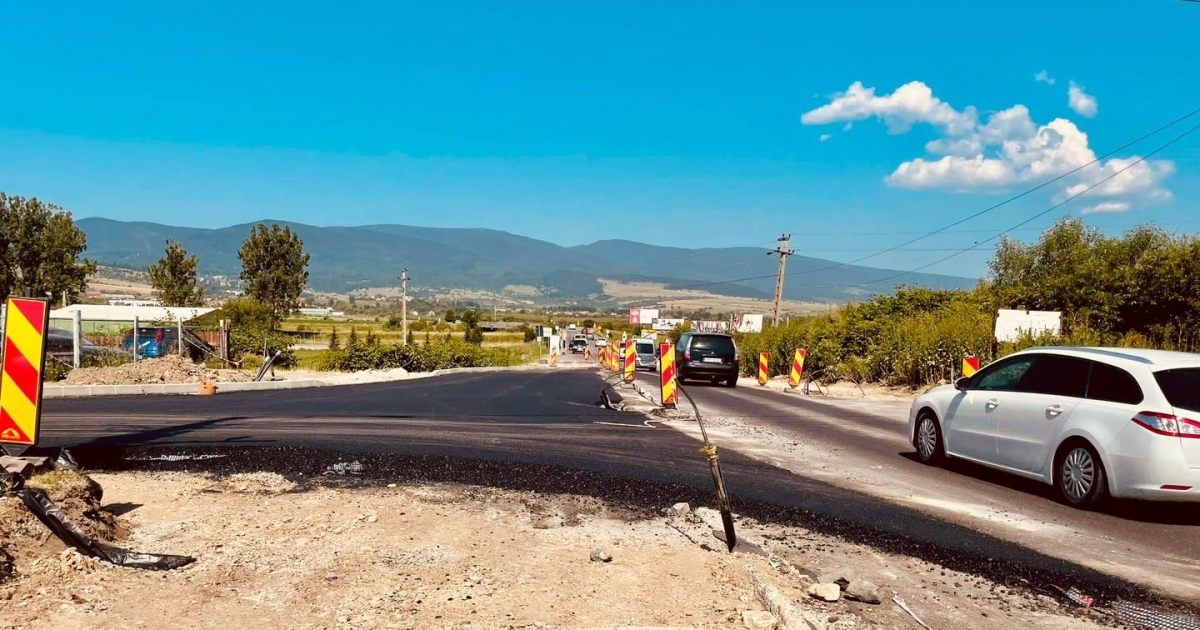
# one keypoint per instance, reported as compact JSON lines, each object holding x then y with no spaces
{"x":174,"y":277}
{"x":274,"y":267}
{"x":678,"y":331}
{"x":40,"y":249}
{"x":450,"y":316}
{"x":334,"y":342}
{"x":470,"y":317}
{"x":352,"y":340}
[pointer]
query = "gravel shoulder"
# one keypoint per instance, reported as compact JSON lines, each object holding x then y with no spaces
{"x":343,"y":551}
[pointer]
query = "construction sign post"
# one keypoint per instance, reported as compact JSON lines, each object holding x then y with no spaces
{"x":797,"y":368}
{"x":666,"y":363}
{"x":24,"y":360}
{"x":763,"y":376}
{"x":630,"y":361}
{"x":970,"y":366}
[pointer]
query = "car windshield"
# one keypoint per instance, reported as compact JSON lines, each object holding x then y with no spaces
{"x":715,"y":345}
{"x":1181,"y":387}
{"x":645,"y":348}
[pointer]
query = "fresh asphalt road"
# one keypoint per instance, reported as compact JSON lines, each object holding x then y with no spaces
{"x":871,"y":453}
{"x":551,"y":418}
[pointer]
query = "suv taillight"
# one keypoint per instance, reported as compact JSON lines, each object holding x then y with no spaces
{"x":1167,"y":424}
{"x":158,"y":337}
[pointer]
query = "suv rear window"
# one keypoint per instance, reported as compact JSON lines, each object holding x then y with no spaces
{"x":1181,"y":387}
{"x":1113,"y":385}
{"x":645,"y":348}
{"x":715,"y":344}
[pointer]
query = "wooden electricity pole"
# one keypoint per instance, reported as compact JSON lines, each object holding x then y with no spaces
{"x":783,"y":251}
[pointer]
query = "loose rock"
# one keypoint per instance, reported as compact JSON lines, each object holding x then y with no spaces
{"x":840,"y":576}
{"x":759,"y":620}
{"x":863,"y":591}
{"x":826,"y":592}
{"x":680,"y":509}
{"x":601,"y":555}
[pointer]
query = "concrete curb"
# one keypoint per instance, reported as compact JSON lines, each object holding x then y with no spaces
{"x":790,"y":617}
{"x":176,"y":389}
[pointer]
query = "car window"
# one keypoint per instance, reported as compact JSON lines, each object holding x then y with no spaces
{"x":1112,"y":384}
{"x":645,"y":348}
{"x":1181,"y":387}
{"x":1003,"y":376}
{"x":715,"y":345}
{"x":1056,"y":375}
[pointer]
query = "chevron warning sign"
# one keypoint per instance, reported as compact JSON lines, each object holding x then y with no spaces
{"x":21,"y":378}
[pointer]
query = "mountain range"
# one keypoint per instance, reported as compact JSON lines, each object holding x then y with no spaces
{"x":349,"y":258}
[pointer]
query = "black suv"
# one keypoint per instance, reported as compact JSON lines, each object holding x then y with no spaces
{"x":707,"y":356}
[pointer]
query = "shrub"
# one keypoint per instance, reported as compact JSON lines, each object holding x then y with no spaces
{"x":436,"y":355}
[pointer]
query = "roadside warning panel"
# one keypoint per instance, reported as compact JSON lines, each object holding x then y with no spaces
{"x":24,"y":359}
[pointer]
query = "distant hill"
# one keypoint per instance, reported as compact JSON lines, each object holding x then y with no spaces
{"x":348,"y":258}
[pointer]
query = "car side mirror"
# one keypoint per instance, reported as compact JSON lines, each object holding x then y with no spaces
{"x":962,"y":384}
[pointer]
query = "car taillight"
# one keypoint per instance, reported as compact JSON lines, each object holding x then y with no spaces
{"x":158,"y":337}
{"x":687,"y":356}
{"x":1167,"y":424}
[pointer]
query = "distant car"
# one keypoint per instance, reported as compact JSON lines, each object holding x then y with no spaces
{"x":1092,"y":422}
{"x":60,"y":344}
{"x":646,"y":355}
{"x":601,"y":342}
{"x":578,"y":345}
{"x":160,"y":341}
{"x":591,"y":337}
{"x":571,"y":327}
{"x":707,"y":356}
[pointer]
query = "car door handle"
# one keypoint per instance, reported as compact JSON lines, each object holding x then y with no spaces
{"x":1054,"y":410}
{"x":992,"y":404}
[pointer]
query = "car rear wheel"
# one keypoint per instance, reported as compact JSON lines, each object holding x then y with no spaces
{"x":1080,"y":476}
{"x":732,"y":382}
{"x":928,"y":439}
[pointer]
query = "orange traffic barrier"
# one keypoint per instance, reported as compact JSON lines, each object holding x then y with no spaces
{"x":666,"y":365}
{"x":797,"y":368}
{"x":762,"y":369}
{"x":970,"y":366}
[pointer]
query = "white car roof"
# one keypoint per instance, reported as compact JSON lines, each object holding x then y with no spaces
{"x":1130,"y":357}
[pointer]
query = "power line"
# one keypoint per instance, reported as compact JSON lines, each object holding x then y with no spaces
{"x":1008,"y":200}
{"x":981,"y":231}
{"x":1042,"y":213}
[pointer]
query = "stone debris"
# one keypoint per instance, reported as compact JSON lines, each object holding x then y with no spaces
{"x":759,"y":620}
{"x":680,"y":510}
{"x":601,"y":555}
{"x":863,"y":591}
{"x":825,"y":592}
{"x":169,"y":369}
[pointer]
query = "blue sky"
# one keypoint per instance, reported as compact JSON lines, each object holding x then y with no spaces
{"x":849,"y":124}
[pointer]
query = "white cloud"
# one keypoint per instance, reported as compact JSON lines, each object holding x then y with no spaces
{"x":826,"y":136}
{"x":909,"y":104}
{"x":1006,"y":149}
{"x":1083,"y":103}
{"x":1044,"y":77}
{"x":1107,"y":206}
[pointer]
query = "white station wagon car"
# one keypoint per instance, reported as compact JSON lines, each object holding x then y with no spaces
{"x":1093,"y":422}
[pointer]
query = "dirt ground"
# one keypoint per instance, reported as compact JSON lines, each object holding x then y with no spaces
{"x":168,"y":369}
{"x":342,"y":552}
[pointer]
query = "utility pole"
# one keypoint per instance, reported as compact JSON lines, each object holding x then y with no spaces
{"x":783,"y":251}
{"x":404,"y":305}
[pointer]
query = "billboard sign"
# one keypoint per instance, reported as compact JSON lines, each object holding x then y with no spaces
{"x":748,"y":323}
{"x":1010,"y":324}
{"x":663,"y":324}
{"x":642,"y":315}
{"x":710,"y":326}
